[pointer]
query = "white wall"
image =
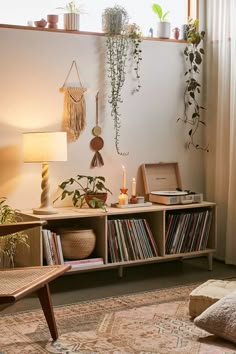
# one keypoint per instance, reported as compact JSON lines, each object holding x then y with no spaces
{"x":33,"y":66}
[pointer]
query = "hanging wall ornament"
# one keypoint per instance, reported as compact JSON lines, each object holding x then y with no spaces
{"x":97,"y":143}
{"x":74,"y":105}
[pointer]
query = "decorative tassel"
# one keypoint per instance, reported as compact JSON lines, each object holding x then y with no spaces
{"x":97,"y":160}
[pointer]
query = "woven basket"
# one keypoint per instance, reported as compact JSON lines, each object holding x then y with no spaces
{"x":77,"y":244}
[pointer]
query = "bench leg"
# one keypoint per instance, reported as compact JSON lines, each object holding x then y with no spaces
{"x":46,"y":303}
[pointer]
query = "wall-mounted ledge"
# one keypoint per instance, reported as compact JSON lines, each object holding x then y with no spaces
{"x":30,"y":28}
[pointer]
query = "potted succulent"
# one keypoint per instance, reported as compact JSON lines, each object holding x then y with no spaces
{"x":121,"y":42}
{"x":88,"y":189}
{"x":163,"y":26}
{"x":8,"y":243}
{"x":193,"y":53}
{"x":72,"y":15}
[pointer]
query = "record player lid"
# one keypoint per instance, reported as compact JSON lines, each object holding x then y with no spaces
{"x":161,"y":176}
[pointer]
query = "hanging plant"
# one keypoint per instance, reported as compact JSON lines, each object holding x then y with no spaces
{"x":118,"y":41}
{"x":134,"y":34}
{"x":193,"y":54}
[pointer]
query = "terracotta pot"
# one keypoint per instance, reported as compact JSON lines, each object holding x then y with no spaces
{"x":52,"y":21}
{"x":100,"y":196}
{"x":42,"y":23}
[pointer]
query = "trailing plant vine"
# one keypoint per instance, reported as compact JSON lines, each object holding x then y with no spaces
{"x":193,"y":54}
{"x":119,"y":39}
{"x":134,"y":34}
{"x":117,"y":48}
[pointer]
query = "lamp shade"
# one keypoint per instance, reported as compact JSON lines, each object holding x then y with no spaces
{"x":45,"y":146}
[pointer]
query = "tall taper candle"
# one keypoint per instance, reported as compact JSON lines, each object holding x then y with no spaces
{"x":133,"y":189}
{"x":124,"y":177}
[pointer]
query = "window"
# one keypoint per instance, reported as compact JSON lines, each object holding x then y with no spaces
{"x":139,"y":11}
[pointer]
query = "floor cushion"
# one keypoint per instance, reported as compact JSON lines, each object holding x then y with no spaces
{"x":208,"y":293}
{"x":220,"y":318}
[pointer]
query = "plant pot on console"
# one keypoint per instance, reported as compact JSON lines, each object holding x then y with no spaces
{"x":97,"y":200}
{"x":90,"y":190}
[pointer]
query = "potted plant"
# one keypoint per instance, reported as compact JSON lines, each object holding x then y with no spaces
{"x":163,"y":26}
{"x":193,"y":54}
{"x":114,"y":19}
{"x":119,"y":39}
{"x":8,"y":243}
{"x":72,"y":15}
{"x":88,"y":189}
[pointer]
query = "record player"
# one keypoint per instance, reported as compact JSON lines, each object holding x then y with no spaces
{"x":162,"y":183}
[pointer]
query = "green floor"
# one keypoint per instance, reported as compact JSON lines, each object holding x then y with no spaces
{"x":98,"y":284}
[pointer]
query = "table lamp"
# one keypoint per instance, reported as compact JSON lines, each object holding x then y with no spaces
{"x":44,"y":148}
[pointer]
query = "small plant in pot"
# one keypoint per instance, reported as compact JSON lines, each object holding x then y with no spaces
{"x":163,"y":26}
{"x":8,"y":243}
{"x":88,"y":189}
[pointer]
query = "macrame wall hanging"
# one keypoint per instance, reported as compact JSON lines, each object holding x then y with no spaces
{"x":74,"y":105}
{"x":97,"y":143}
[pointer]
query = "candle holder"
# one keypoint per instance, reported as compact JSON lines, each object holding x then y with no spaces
{"x":123,"y":197}
{"x":133,"y":199}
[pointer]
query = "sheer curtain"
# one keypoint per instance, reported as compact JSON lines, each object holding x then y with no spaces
{"x":221,"y":121}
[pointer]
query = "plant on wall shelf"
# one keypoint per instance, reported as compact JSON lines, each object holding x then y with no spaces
{"x":9,"y":243}
{"x":193,"y":54}
{"x":163,"y":26}
{"x":119,"y":39}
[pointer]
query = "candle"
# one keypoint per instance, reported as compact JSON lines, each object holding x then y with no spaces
{"x":123,"y":199}
{"x":124,"y":177}
{"x":133,"y":189}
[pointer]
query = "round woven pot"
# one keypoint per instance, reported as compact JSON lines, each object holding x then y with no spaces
{"x":77,"y":244}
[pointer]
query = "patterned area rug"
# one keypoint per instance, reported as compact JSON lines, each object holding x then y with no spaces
{"x":144,"y":323}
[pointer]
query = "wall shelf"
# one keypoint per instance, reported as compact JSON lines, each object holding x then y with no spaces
{"x":31,"y":28}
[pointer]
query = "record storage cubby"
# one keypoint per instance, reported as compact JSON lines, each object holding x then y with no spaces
{"x":156,"y":216}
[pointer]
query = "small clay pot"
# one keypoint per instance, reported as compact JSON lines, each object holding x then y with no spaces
{"x":52,"y":21}
{"x":42,"y":23}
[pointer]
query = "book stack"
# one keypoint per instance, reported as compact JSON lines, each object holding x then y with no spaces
{"x":130,"y":239}
{"x":53,"y":254}
{"x":188,"y":231}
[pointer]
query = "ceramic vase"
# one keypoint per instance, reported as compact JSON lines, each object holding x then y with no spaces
{"x":163,"y":29}
{"x":71,"y":22}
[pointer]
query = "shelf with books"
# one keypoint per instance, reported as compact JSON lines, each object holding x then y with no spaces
{"x":129,"y":237}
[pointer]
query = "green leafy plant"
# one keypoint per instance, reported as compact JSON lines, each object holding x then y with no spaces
{"x":8,"y":215}
{"x":157,"y":9}
{"x":84,"y":186}
{"x":118,"y":41}
{"x":193,"y":54}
